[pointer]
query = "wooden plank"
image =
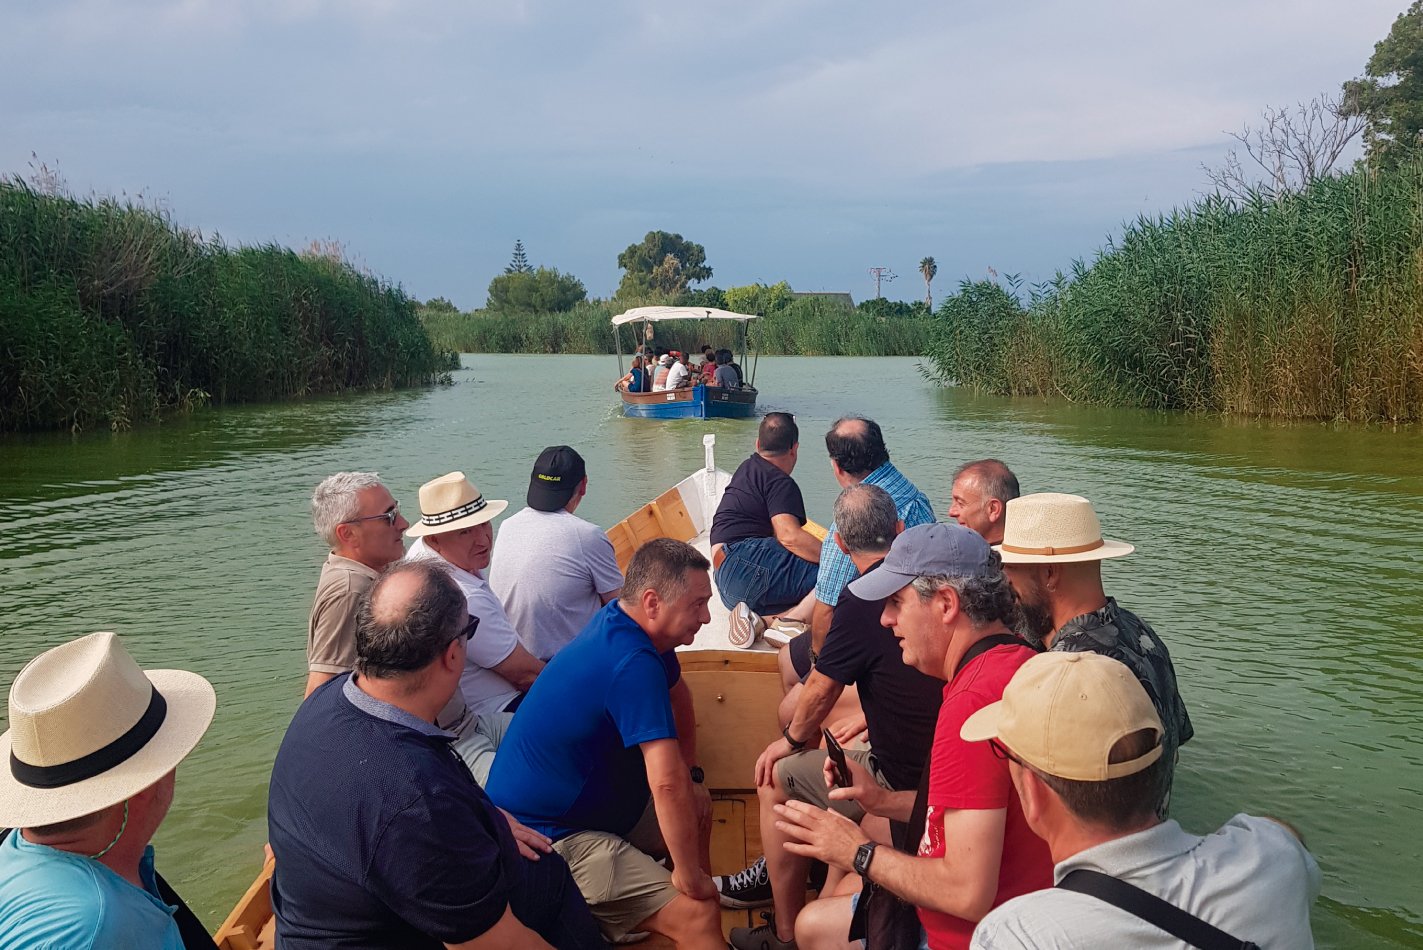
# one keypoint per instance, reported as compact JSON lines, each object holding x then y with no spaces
{"x":743,"y":707}
{"x":242,"y":928}
{"x":676,"y":520}
{"x":741,"y":661}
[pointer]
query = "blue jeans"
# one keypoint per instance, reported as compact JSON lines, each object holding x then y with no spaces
{"x":761,"y":572}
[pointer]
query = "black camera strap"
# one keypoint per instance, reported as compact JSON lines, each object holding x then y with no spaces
{"x":1184,"y":926}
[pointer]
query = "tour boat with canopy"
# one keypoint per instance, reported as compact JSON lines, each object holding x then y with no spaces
{"x":691,"y":402}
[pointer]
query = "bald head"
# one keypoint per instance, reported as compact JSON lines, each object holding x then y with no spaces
{"x":866,"y":519}
{"x":856,"y":446}
{"x":407,"y":619}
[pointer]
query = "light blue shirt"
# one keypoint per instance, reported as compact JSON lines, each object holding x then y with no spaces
{"x":836,"y":568}
{"x":54,"y":899}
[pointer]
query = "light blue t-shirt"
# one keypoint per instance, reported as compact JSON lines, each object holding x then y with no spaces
{"x":54,"y":899}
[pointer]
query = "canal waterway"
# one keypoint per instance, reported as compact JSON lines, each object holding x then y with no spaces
{"x":1280,"y":563}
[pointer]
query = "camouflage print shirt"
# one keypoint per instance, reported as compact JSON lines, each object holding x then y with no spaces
{"x":1122,"y":635}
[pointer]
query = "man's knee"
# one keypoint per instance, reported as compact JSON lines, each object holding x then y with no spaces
{"x":824,"y":923}
{"x":685,"y":917}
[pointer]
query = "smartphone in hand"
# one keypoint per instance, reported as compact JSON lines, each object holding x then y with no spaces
{"x":841,"y":776}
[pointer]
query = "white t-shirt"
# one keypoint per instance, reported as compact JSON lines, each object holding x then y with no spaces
{"x":484,"y":690}
{"x":549,"y":570}
{"x":1252,"y":879}
{"x":676,"y":374}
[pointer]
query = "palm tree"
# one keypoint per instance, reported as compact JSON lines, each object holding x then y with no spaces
{"x":929,"y":269}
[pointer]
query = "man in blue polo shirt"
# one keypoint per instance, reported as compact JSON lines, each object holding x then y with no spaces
{"x":382,"y":837}
{"x":602,"y":757}
{"x":764,"y":557}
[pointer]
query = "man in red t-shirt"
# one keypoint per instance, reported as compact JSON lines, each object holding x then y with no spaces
{"x":948,"y":604}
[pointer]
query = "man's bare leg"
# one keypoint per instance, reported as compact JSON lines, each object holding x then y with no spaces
{"x":688,"y":923}
{"x":823,"y":925}
{"x":787,"y":872}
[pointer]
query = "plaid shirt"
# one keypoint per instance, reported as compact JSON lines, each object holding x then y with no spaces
{"x":836,"y":568}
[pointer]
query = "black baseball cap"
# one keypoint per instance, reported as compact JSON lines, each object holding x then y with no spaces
{"x":555,"y":478}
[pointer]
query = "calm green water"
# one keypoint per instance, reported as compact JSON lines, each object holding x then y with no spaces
{"x":1280,"y":564}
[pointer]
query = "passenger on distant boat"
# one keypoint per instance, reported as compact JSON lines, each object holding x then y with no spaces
{"x":93,"y":746}
{"x":664,"y":367}
{"x":552,"y":570}
{"x":901,"y":705}
{"x":456,"y":534}
{"x":382,"y":838}
{"x":765,"y":560}
{"x":602,"y":756}
{"x":635,"y":380}
{"x":949,"y":604}
{"x":679,"y":371}
{"x":979,"y":497}
{"x":727,"y":375}
{"x":361,"y":524}
{"x":1089,"y":786}
{"x":1052,"y":553}
{"x":708,"y":367}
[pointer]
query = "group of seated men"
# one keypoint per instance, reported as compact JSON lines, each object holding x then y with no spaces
{"x":655,"y":372}
{"x":511,"y":761}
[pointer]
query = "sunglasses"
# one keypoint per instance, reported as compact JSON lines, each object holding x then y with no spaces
{"x":390,"y":514}
{"x":468,"y":630}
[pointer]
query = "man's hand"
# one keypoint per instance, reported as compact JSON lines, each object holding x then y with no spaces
{"x":530,"y":842}
{"x":820,"y":834}
{"x":849,"y":729}
{"x":766,"y":763}
{"x":694,"y":882}
{"x":862,"y":786}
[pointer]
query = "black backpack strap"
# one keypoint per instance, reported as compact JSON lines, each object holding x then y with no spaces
{"x":194,"y":935}
{"x":1185,"y":927}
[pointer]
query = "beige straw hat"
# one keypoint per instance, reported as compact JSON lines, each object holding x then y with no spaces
{"x":89,"y":729}
{"x":1061,"y":713}
{"x":1052,"y":528}
{"x":451,"y":502}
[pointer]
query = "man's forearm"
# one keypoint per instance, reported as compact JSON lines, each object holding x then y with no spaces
{"x":820,"y":614}
{"x":677,"y":820}
{"x":801,"y":543}
{"x":817,"y":698}
{"x":928,"y":882}
{"x":684,"y":716}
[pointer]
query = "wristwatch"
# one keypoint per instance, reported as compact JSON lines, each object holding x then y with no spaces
{"x":786,"y":735}
{"x":864,"y":854}
{"x":698,"y":776}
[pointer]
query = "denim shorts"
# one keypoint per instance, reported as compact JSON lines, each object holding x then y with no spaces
{"x":764,"y":575}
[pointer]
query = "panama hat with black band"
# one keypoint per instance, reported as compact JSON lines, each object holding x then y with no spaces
{"x":451,"y":502}
{"x":90,"y":729}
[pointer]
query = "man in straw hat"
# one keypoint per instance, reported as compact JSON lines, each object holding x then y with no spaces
{"x":360,"y":522}
{"x":1083,"y":744}
{"x":948,"y":604}
{"x":1052,"y":553}
{"x":556,"y":570}
{"x":93,"y":747}
{"x":382,"y":837}
{"x":455,"y":531}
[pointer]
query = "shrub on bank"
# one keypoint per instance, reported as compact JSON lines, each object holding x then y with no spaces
{"x":110,"y":314}
{"x":1305,"y":306}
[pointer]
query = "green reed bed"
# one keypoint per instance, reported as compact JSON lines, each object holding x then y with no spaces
{"x":1309,"y":306}
{"x":803,"y":327}
{"x":111,"y":315}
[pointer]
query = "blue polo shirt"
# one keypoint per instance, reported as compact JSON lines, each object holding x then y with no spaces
{"x":570,"y":761}
{"x":382,"y":837}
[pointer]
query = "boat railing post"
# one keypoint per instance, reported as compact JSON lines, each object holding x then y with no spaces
{"x":709,"y":480}
{"x":709,"y":448}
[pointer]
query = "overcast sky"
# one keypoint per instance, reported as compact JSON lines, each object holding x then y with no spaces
{"x":797,"y":140}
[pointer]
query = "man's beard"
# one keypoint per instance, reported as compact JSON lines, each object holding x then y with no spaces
{"x":1034,"y":622}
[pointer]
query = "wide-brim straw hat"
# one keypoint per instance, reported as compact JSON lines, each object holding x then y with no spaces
{"x":451,"y":502}
{"x":1053,"y":528}
{"x":89,"y":729}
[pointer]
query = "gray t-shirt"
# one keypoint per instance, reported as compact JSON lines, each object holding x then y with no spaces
{"x":549,"y":569}
{"x":1252,"y":879}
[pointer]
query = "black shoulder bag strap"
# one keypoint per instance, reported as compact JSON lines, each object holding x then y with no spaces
{"x":191,"y":930}
{"x":1185,"y":927}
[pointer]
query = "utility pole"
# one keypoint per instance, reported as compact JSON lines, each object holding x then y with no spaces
{"x":881,"y":274}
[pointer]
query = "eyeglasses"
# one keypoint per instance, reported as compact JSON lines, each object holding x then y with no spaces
{"x":1001,"y":751}
{"x":468,"y":631}
{"x":390,"y":514}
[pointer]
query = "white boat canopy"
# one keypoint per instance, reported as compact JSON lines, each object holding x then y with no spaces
{"x":653,"y":314}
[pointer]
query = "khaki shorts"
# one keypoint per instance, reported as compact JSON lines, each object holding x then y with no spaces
{"x":619,"y":877}
{"x":802,"y":777}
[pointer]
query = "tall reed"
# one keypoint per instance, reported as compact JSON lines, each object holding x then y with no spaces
{"x":110,"y":315}
{"x":1305,"y":306}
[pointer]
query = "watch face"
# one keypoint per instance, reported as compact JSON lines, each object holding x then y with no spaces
{"x":698,"y":775}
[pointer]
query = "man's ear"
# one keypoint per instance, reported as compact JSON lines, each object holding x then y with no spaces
{"x":899,"y":526}
{"x":996,"y":509}
{"x":345,"y":533}
{"x":1031,"y":792}
{"x":651,"y":603}
{"x":839,"y":543}
{"x":946,"y":601}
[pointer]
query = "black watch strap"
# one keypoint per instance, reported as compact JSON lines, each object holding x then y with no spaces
{"x":863,"y":856}
{"x":786,"y":735}
{"x":698,"y":776}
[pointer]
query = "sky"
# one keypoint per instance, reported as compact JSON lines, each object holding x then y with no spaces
{"x":796,"y":140}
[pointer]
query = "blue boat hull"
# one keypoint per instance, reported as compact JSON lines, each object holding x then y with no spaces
{"x":699,"y":402}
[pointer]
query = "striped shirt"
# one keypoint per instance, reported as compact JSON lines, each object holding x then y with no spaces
{"x":836,"y":568}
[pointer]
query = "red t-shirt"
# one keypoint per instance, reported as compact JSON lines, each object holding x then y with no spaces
{"x":967,"y":775}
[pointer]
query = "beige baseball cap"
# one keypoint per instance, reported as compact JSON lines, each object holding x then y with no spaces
{"x":1062,"y":713}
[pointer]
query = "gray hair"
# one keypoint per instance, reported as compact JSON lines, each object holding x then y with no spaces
{"x":994,"y":479}
{"x":334,"y":501}
{"x":396,"y":639}
{"x":661,"y":565}
{"x":865,"y":519}
{"x":984,"y":598}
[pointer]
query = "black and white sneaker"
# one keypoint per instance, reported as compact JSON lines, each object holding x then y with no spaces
{"x":745,"y":889}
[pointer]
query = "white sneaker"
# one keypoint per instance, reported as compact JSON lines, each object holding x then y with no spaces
{"x":784,"y":631}
{"x":745,"y":626}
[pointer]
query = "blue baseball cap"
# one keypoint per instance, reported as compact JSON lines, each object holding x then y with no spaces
{"x":942,"y":548}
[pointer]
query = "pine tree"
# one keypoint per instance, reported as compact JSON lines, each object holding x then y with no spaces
{"x":520,"y":263}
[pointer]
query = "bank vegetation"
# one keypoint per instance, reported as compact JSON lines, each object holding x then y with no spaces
{"x":110,"y":315}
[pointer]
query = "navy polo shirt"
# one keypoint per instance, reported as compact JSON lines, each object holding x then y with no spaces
{"x":757,"y":492}
{"x":570,"y":761}
{"x":382,"y":836}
